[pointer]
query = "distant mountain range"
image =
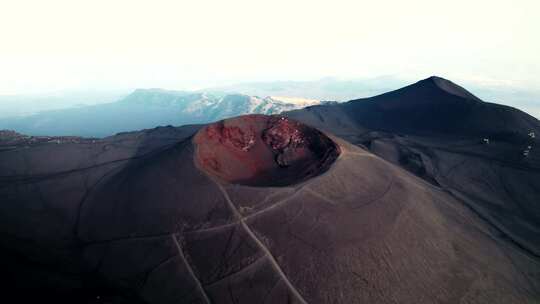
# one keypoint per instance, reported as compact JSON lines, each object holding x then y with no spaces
{"x":98,"y":114}
{"x":148,"y":108}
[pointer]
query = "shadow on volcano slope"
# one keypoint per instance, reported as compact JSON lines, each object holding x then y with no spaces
{"x":44,"y":184}
{"x":157,"y":229}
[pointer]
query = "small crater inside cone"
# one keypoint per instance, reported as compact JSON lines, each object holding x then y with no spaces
{"x":260,"y":150}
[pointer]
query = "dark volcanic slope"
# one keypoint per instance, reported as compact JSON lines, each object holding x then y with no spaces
{"x":484,"y":154}
{"x":132,"y":218}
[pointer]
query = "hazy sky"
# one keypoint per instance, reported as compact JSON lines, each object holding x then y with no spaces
{"x":68,"y":44}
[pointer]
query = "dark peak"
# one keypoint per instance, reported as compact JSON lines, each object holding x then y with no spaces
{"x":448,"y":87}
{"x":436,"y":78}
{"x":430,"y":92}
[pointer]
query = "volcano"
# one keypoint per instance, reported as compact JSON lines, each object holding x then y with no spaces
{"x":322,"y":205}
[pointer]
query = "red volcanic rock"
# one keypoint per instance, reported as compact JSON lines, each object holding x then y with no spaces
{"x":259,"y":150}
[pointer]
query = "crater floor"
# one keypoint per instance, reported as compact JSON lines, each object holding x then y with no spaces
{"x":259,"y":150}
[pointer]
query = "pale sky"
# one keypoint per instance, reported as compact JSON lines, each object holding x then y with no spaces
{"x":67,"y":44}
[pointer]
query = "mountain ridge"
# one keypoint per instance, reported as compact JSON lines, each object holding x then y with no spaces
{"x":143,"y":109}
{"x":432,"y":105}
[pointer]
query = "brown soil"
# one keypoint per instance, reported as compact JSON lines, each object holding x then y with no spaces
{"x":259,"y":150}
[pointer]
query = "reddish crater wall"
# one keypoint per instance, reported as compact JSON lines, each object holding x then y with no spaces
{"x":259,"y":150}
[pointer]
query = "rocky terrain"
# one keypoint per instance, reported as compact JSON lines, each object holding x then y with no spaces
{"x":421,"y":195}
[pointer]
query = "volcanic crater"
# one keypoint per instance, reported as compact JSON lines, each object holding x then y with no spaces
{"x":261,"y":150}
